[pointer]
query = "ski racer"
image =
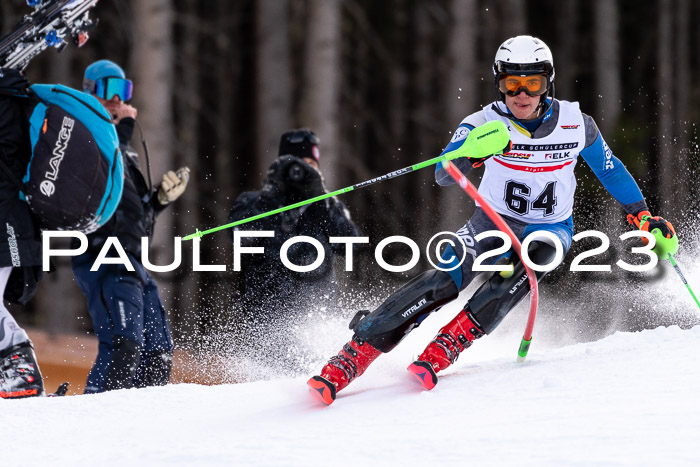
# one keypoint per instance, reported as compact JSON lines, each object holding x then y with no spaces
{"x":20,"y":244}
{"x":531,"y":187}
{"x":135,"y":345}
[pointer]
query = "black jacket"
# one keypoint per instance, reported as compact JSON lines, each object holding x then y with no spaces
{"x":139,"y":206}
{"x":20,"y":241}
{"x":265,"y":279}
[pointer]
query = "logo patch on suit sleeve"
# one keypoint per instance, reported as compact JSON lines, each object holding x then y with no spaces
{"x":460,"y":134}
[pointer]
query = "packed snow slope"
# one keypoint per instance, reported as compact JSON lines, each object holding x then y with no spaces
{"x":628,"y":399}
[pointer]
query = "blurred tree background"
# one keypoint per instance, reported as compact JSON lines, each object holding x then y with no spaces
{"x":383,"y":83}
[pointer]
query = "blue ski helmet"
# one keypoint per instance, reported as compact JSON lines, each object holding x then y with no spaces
{"x":98,"y":70}
{"x":105,"y":79}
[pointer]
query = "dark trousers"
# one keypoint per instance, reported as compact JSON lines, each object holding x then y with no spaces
{"x":130,"y":322}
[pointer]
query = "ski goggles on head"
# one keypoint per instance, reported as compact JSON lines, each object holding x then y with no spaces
{"x":301,"y":143}
{"x":301,"y":136}
{"x":533,"y":85}
{"x":107,"y":88}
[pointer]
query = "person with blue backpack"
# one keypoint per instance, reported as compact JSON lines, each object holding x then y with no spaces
{"x":59,"y":158}
{"x":20,"y":245}
{"x":129,"y":319}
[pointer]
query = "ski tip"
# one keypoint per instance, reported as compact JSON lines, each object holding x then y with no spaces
{"x":322,"y":389}
{"x":424,"y":373}
{"x":61,"y":391}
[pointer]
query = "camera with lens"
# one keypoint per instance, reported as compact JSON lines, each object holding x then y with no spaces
{"x":293,"y":179}
{"x":302,"y":181}
{"x":297,"y":173}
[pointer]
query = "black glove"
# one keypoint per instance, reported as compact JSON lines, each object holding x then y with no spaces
{"x":274,"y":189}
{"x":644,"y":221}
{"x":279,"y":169}
{"x":12,"y":82}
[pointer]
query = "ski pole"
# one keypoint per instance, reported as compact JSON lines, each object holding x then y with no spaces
{"x":485,"y":140}
{"x":496,"y":218}
{"x":665,"y":248}
{"x":678,"y":270}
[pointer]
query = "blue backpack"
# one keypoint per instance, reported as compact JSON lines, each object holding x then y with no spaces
{"x":75,"y":177}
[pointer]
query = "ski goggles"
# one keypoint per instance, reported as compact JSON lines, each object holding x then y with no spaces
{"x":533,"y":85}
{"x":107,"y":88}
{"x":301,"y":136}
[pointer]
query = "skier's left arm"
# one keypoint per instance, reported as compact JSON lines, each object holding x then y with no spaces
{"x":619,"y":182}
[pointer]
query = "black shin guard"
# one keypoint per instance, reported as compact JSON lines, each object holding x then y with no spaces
{"x":497,"y":296}
{"x":125,"y":360}
{"x":386,"y":326}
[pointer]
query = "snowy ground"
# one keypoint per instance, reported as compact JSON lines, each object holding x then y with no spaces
{"x":629,"y":399}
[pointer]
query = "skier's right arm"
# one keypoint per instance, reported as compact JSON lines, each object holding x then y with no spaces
{"x":458,"y":137}
{"x":462,"y":163}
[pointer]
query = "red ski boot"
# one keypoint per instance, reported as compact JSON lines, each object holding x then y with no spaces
{"x":350,"y":363}
{"x":443,"y":351}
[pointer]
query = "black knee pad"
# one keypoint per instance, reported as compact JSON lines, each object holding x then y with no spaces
{"x":126,"y":357}
{"x":404,"y":310}
{"x":497,"y":296}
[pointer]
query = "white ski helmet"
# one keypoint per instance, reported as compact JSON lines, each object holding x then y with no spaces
{"x":524,"y":55}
